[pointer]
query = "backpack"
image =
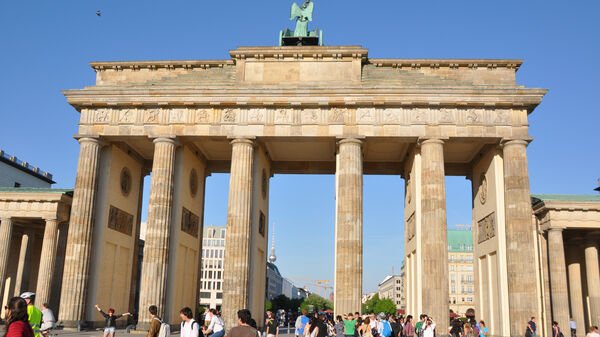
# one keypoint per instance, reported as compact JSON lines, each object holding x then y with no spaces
{"x":387,"y":329}
{"x":165,"y":329}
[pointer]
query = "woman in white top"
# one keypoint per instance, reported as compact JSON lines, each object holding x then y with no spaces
{"x":429,"y":330}
{"x":312,"y":329}
{"x":216,"y":326}
{"x":593,"y":332}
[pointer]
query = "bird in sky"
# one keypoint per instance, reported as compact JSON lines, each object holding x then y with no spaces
{"x":98,"y":13}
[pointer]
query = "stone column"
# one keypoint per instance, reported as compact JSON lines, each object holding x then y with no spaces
{"x":6,"y":229}
{"x":575,"y":286}
{"x":349,"y":231}
{"x":79,"y":239}
{"x":593,"y":280}
{"x":22,"y":272}
{"x":47,"y":262}
{"x":520,"y":250}
{"x":434,"y":238}
{"x":153,"y":287}
{"x":236,"y":270}
{"x":558,"y":277}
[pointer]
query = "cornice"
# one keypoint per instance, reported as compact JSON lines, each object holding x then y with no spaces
{"x":448,"y":63}
{"x":312,"y":52}
{"x":566,"y":206}
{"x":152,"y":65}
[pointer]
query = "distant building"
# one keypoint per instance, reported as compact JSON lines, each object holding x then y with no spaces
{"x":213,"y":253}
{"x":391,"y":287}
{"x":274,"y":281}
{"x":460,"y":264}
{"x":17,"y":173}
{"x":368,"y":296}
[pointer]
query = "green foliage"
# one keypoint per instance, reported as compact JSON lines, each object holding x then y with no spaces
{"x":386,"y":306}
{"x":285,"y":303}
{"x":318,"y":303}
{"x":369,"y":306}
{"x":268,"y":305}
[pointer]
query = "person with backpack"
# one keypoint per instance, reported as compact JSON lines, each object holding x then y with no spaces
{"x":301,"y":322}
{"x":189,"y":326}
{"x":155,"y":322}
{"x":386,"y":328}
{"x":216,"y":327}
{"x":409,"y":329}
{"x":420,"y":326}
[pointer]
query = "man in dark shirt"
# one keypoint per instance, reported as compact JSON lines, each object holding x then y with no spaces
{"x":243,"y":329}
{"x":396,"y":328}
{"x":322,"y":326}
{"x":272,"y":325}
{"x":531,"y":326}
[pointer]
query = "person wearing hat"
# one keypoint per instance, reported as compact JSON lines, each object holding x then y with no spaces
{"x":35,"y":315}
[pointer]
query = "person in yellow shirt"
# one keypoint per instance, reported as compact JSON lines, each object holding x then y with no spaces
{"x":35,"y":315}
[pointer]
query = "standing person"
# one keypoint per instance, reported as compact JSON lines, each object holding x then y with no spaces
{"x":48,"y":320}
{"x":216,"y":326}
{"x":556,"y":330}
{"x":455,"y":328}
{"x":359,"y":322}
{"x":468,"y":330}
{"x":301,"y":322}
{"x":396,"y":327}
{"x":420,"y":326}
{"x":573,"y":327}
{"x":271,"y":324}
{"x":384,"y":329}
{"x":339,"y":327}
{"x":110,"y":325}
{"x":365,"y":329}
{"x":483,"y":331}
{"x":312,"y":329}
{"x":409,"y":329}
{"x":429,"y":327}
{"x":322,"y":325}
{"x":189,"y":326}
{"x":35,"y":315}
{"x":155,"y":322}
{"x":532,"y":326}
{"x":17,"y":319}
{"x":206,"y":318}
{"x":593,"y":332}
{"x":349,"y":325}
{"x":243,"y":329}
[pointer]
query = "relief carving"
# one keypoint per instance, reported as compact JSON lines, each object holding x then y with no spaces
{"x":447,"y":115}
{"x":125,"y":181}
{"x":127,"y":116}
{"x":177,"y":116}
{"x":229,"y":115}
{"x":366,"y":115}
{"x":483,"y":189}
{"x":502,"y":117}
{"x":256,"y":115}
{"x":486,"y":228}
{"x":189,"y":222}
{"x":310,"y":116}
{"x":283,"y":116}
{"x":120,"y":220}
{"x":102,"y":116}
{"x":474,"y":116}
{"x":336,"y":115}
{"x":262,"y":224}
{"x":151,"y":115}
{"x":391,"y":115}
{"x":410,"y":227}
{"x":419,"y":116}
{"x":193,"y":182}
{"x":203,"y":115}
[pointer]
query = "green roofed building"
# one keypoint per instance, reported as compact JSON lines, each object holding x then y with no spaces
{"x":460,"y":266}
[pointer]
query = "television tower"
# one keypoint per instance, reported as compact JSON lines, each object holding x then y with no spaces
{"x":272,"y":257}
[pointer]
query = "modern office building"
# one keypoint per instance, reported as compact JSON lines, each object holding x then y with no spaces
{"x":213,"y":254}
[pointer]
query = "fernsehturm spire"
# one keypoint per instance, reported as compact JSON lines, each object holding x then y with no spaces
{"x":272,"y":257}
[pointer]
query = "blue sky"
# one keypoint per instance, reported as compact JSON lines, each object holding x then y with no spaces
{"x":45,"y":47}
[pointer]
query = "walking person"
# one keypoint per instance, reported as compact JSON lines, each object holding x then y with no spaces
{"x":409,"y":329}
{"x":17,"y":319}
{"x":216,"y":326}
{"x":301,"y":323}
{"x":593,"y":332}
{"x":532,"y":326}
{"x":556,"y":330}
{"x":155,"y":322}
{"x":189,"y":326}
{"x":110,"y":325}
{"x":243,"y":329}
{"x":573,"y":327}
{"x":271,"y":325}
{"x":48,"y":320}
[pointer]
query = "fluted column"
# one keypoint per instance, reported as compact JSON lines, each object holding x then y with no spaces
{"x":22,"y":271}
{"x":236,"y":271}
{"x":593,"y":280}
{"x":47,"y":262}
{"x":349,"y":227}
{"x":558,"y":277}
{"x":79,"y":239}
{"x":522,"y":290}
{"x":434,"y":238}
{"x":575,"y":285}
{"x":153,"y":287}
{"x":6,"y":229}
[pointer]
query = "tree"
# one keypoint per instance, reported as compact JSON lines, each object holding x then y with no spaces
{"x":318,"y":303}
{"x":386,"y":306}
{"x":369,"y":306}
{"x":268,"y":305}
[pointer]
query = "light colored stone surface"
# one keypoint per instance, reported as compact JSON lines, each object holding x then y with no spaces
{"x":75,"y":275}
{"x":349,"y":227}
{"x":575,"y":284}
{"x":434,"y":246}
{"x":236,"y":271}
{"x":6,"y":229}
{"x":156,"y":248}
{"x":593,"y":280}
{"x":22,"y":278}
{"x":558,"y":277}
{"x":522,"y":289}
{"x":47,"y":261}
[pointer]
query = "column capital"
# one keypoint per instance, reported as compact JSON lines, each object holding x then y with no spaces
{"x":242,"y":140}
{"x":165,"y":139}
{"x":48,"y":219}
{"x":431,"y":140}
{"x":349,"y":140}
{"x":5,"y":219}
{"x":508,"y":142}
{"x":556,"y":229}
{"x":90,"y":139}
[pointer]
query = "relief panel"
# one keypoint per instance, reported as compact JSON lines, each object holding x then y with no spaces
{"x":189,"y":222}
{"x":120,"y":221}
{"x":486,"y":228}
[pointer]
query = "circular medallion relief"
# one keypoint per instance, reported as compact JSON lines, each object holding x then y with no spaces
{"x":483,"y":189}
{"x":263,"y":188}
{"x":193,"y":182}
{"x":125,"y":181}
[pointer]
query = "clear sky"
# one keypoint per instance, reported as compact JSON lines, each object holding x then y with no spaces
{"x":45,"y":47}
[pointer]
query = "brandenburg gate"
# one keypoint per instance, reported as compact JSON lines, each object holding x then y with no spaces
{"x":281,"y":110}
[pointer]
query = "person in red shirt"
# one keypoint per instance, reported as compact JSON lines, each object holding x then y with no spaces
{"x":17,"y":320}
